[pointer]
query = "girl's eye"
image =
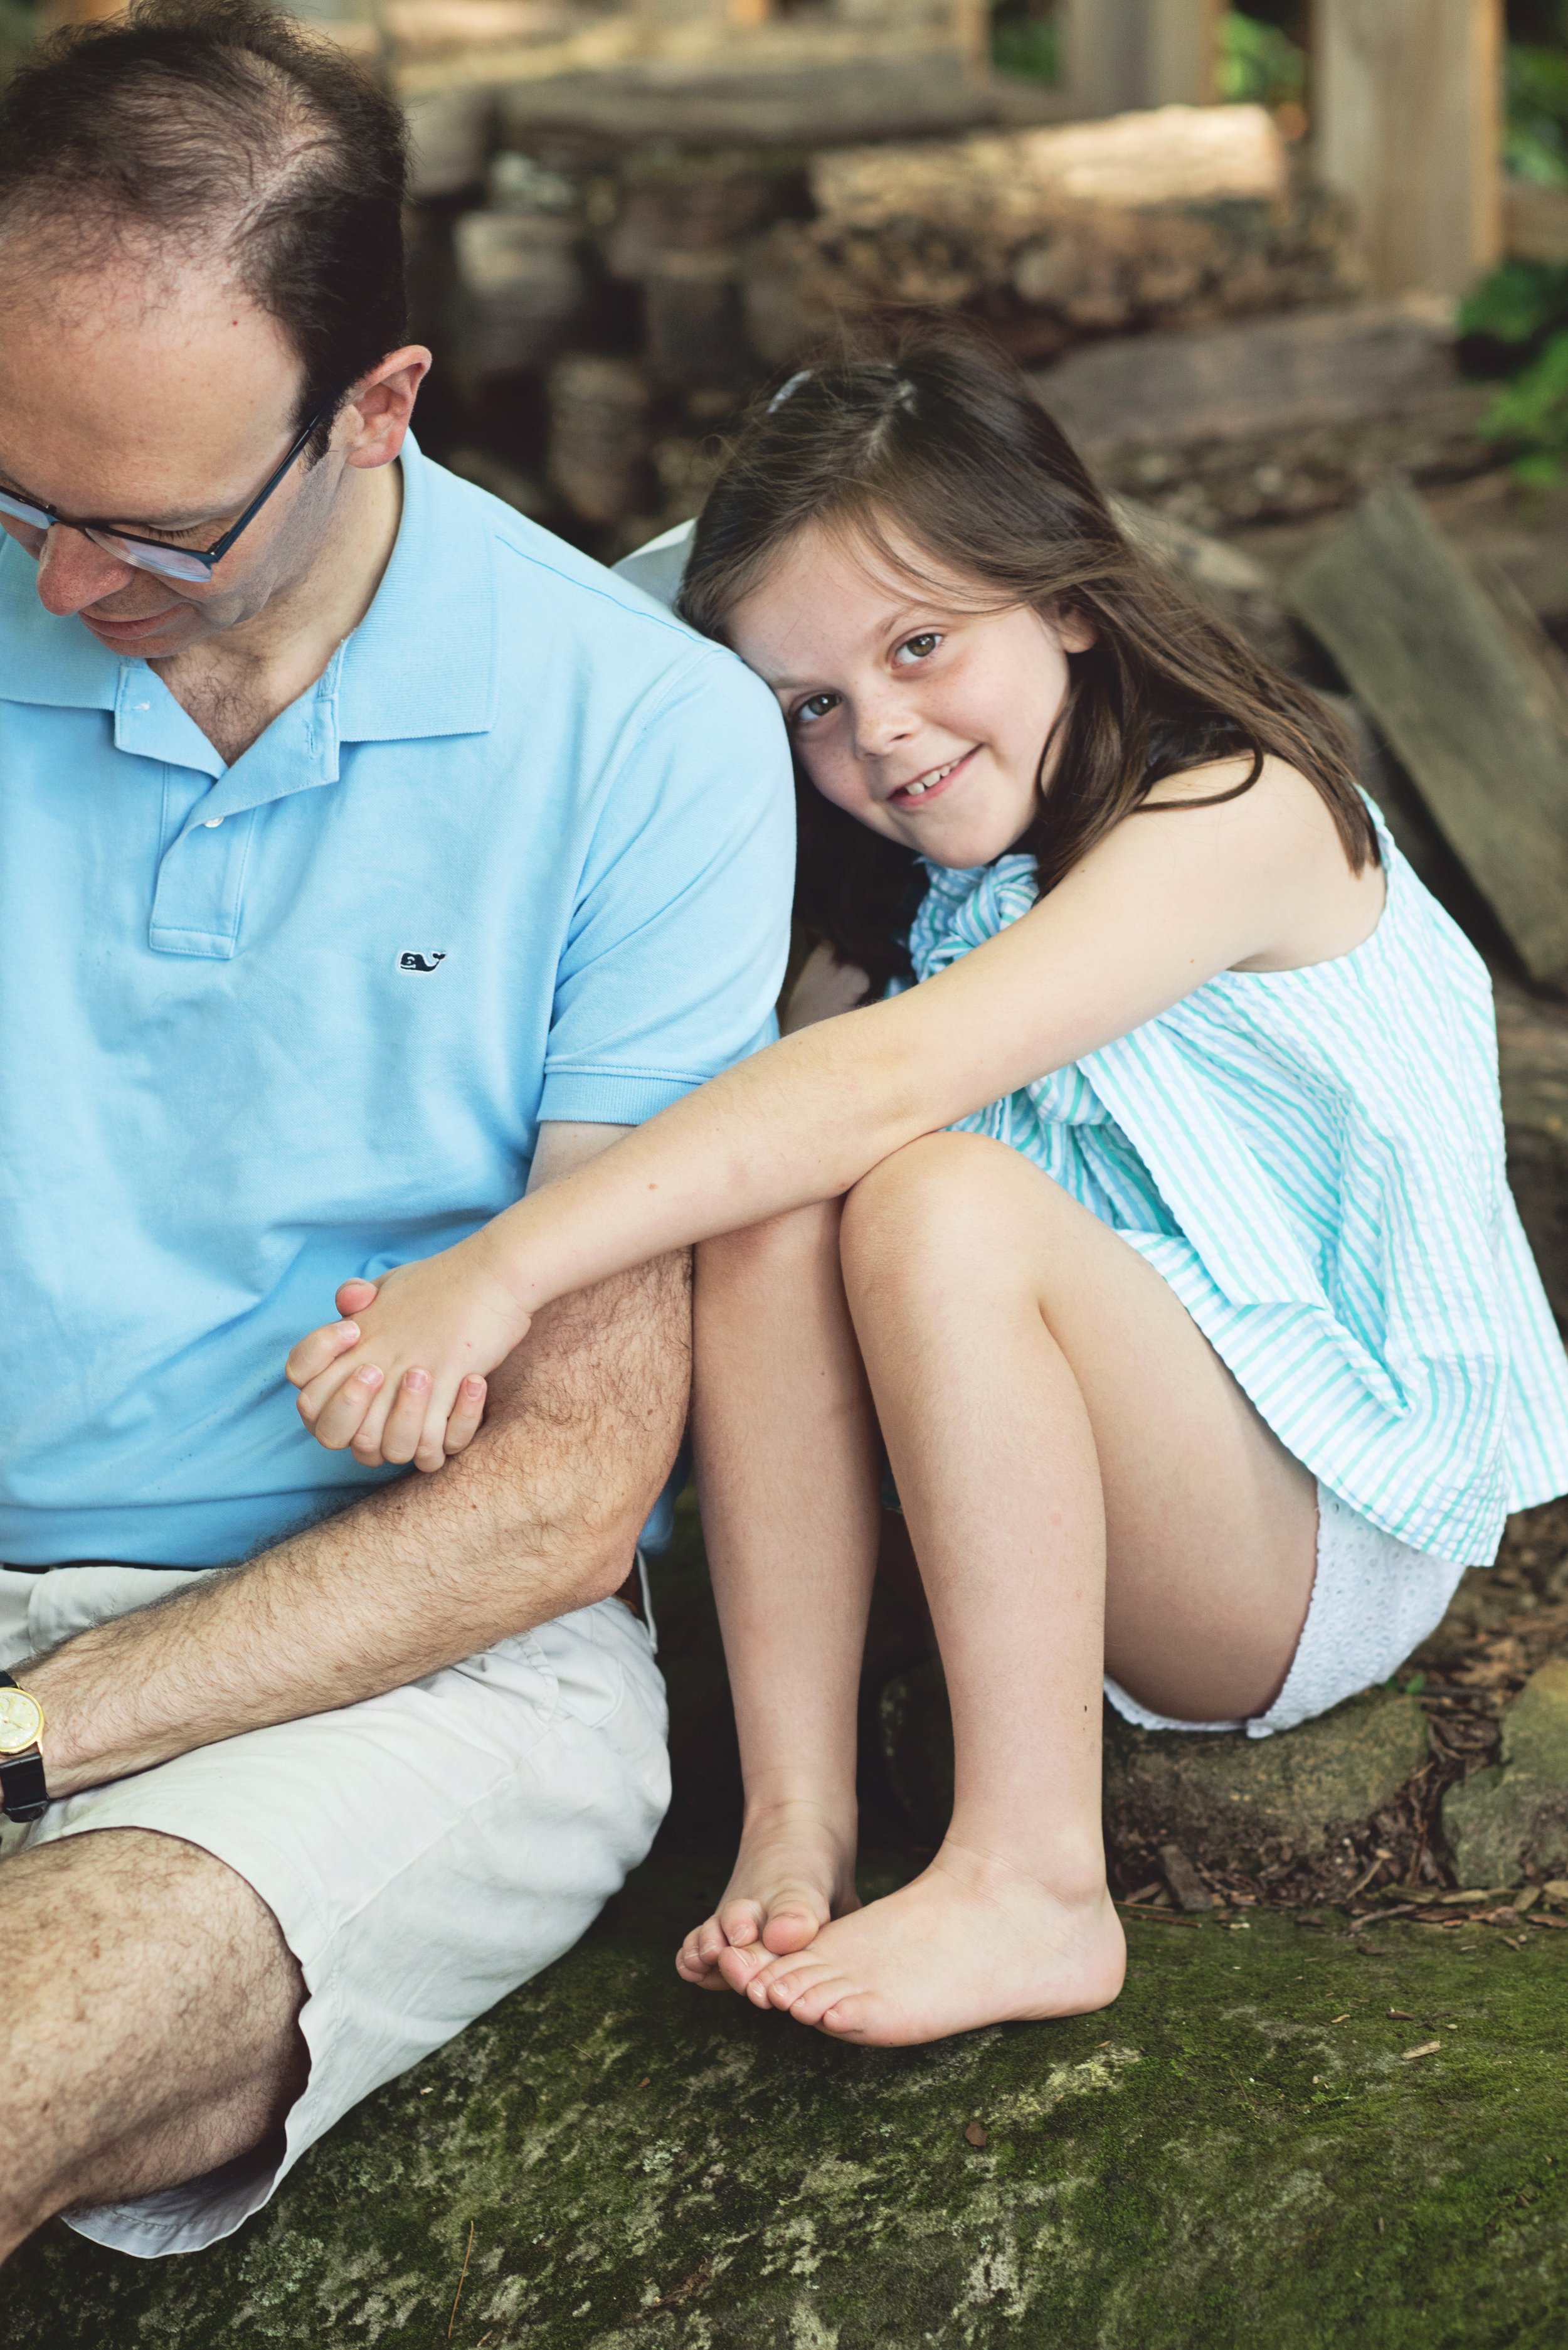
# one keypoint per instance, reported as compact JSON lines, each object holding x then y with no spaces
{"x":920,"y":648}
{"x":814,"y":706}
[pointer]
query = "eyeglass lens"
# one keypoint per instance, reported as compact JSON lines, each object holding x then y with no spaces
{"x":172,"y":562}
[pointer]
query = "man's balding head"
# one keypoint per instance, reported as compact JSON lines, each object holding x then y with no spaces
{"x":214,"y":136}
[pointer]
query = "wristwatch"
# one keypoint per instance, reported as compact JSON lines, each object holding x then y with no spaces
{"x":22,"y":1792}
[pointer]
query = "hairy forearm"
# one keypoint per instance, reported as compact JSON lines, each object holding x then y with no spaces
{"x":539,"y":1516}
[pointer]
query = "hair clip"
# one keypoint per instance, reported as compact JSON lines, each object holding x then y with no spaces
{"x":786,"y":390}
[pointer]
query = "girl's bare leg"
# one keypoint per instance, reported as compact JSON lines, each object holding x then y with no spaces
{"x":1049,"y":1408}
{"x":787,"y":1467}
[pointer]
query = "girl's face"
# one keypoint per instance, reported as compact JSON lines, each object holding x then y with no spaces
{"x":917,"y":715}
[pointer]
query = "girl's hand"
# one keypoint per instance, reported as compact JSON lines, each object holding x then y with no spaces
{"x":402,"y":1378}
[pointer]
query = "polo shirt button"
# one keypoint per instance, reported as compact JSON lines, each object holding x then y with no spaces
{"x":211,"y":823}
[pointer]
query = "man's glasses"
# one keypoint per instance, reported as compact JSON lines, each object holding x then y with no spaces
{"x":156,"y":554}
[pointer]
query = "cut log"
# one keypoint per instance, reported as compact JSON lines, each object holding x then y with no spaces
{"x":1169,"y":218}
{"x":598,"y":436}
{"x":519,"y":287}
{"x":1275,"y":418}
{"x":1271,"y":375}
{"x":1469,"y":705}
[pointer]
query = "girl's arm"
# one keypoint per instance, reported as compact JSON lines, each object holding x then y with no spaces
{"x":1158,"y":908}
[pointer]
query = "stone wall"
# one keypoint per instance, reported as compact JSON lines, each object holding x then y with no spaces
{"x":600,"y":308}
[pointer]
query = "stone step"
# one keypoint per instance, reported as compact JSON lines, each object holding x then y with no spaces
{"x":1250,"y":2147}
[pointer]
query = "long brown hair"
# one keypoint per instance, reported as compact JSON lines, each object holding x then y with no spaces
{"x":936,"y":443}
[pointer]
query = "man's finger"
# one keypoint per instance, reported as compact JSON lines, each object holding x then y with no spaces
{"x":467,"y":1413}
{"x":353,"y":1295}
{"x":312,"y":1354}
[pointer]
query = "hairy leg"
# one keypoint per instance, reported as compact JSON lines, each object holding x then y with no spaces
{"x":787,"y":1467}
{"x":1085,"y":1484}
{"x":149,"y":2020}
{"x":149,"y":2029}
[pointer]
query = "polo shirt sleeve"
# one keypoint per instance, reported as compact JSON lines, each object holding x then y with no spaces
{"x":676,"y":952}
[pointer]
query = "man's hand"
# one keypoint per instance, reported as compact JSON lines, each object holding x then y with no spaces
{"x":538,"y":1517}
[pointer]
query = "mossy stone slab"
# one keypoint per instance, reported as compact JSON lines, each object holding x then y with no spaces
{"x":1239,"y":2153}
{"x":1223,"y":1796}
{"x":1514,"y":1815}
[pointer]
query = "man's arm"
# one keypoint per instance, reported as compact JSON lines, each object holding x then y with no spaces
{"x":540,"y":1516}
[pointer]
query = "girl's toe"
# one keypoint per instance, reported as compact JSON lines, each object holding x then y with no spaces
{"x":812,"y":2004}
{"x":846,"y":2018}
{"x":785,"y":1985}
{"x":740,"y":1968}
{"x":740,"y":1923}
{"x":790,"y":1928}
{"x":690,"y":1964}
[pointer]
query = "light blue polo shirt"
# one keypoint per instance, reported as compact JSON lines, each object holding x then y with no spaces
{"x":524,"y":852}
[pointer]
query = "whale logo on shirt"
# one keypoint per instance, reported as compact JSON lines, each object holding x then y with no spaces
{"x":408,"y":960}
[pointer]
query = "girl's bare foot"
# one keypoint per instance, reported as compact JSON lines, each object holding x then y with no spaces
{"x":795,"y":1871}
{"x":973,"y":1940}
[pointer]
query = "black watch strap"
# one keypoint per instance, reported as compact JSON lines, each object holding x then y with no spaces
{"x":23,"y":1793}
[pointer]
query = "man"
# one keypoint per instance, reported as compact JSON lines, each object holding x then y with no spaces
{"x":364,"y":853}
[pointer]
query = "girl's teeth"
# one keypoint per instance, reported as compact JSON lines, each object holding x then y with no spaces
{"x":914,"y":791}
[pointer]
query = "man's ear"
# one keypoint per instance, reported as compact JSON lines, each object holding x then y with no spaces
{"x":377,"y":413}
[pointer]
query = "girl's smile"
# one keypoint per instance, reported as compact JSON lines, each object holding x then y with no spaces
{"x":926,"y":787}
{"x":912,"y":706}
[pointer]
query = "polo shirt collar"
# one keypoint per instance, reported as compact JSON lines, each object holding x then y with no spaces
{"x":421,"y":662}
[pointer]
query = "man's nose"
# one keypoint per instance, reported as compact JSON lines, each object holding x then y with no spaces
{"x":73,"y":573}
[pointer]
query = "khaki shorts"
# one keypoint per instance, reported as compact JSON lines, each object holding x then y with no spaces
{"x":424,"y":1853}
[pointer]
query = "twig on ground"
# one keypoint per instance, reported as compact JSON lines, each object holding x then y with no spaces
{"x":457,"y":2297}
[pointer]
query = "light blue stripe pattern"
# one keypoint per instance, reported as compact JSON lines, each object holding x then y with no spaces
{"x":1314,"y":1160}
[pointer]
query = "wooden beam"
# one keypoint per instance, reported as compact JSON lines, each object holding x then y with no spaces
{"x":1407,"y":112}
{"x":1124,"y":53}
{"x":1469,"y":696}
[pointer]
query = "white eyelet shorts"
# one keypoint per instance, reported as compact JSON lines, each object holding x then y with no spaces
{"x":1374,"y":1600}
{"x":424,"y":1853}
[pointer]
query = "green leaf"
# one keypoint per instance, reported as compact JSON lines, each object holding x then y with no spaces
{"x":1532,"y":410}
{"x":1518,"y":303}
{"x":1259,"y":65}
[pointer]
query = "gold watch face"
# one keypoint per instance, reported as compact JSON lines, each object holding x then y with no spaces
{"x":21,"y":1719}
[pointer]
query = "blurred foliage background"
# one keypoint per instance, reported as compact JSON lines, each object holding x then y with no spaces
{"x":1515,"y":326}
{"x":1263,"y":57}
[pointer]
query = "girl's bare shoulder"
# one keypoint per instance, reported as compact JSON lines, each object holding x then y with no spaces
{"x":1278,"y":787}
{"x":1279,"y":832}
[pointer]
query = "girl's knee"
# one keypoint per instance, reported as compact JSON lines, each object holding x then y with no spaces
{"x":925,"y":1202}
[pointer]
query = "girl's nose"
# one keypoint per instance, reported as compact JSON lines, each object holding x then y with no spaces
{"x":881,"y":725}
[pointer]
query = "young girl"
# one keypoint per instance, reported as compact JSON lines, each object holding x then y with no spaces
{"x":1160,"y":1232}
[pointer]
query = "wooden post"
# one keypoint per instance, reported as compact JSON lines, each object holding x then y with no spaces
{"x":1123,"y":53}
{"x":1407,"y":111}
